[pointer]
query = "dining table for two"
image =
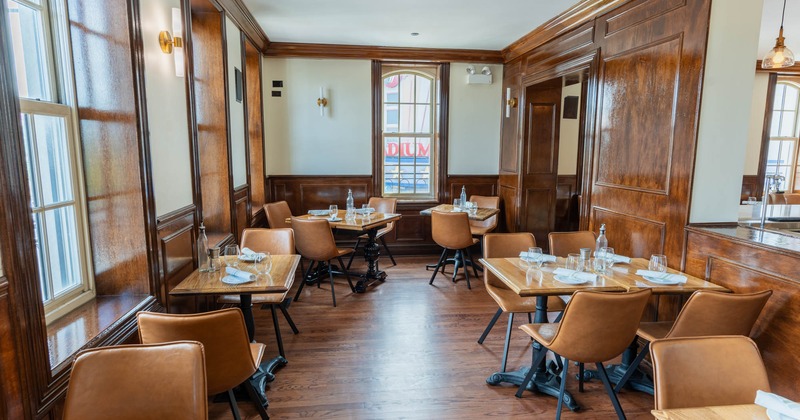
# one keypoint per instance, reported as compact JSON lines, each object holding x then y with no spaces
{"x":542,"y":282}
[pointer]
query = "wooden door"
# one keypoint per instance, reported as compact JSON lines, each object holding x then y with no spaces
{"x":540,"y":159}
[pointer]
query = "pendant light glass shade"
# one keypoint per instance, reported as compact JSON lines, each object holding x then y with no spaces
{"x":779,"y":56}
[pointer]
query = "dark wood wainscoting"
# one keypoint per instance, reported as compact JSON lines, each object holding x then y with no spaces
{"x":738,"y":259}
{"x":751,"y":187}
{"x":177,"y":254}
{"x":412,"y":234}
{"x":242,"y":206}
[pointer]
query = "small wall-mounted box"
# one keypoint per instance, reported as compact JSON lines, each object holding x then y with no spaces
{"x":479,"y":79}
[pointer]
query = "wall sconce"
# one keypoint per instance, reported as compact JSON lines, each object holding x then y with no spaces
{"x":510,"y":102}
{"x":482,"y":78}
{"x":170,"y":44}
{"x":322,"y":102}
{"x":779,"y":56}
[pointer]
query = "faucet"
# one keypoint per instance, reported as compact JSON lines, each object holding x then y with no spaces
{"x":769,"y":182}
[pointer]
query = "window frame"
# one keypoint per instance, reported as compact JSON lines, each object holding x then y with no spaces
{"x":439,"y":143}
{"x":775,"y":126}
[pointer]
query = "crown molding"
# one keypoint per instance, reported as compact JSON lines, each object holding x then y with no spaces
{"x":288,"y":49}
{"x":241,"y":16}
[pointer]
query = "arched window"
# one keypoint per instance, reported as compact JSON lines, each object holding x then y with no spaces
{"x":782,"y":152}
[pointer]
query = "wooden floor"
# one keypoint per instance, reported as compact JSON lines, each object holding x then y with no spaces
{"x":408,"y":350}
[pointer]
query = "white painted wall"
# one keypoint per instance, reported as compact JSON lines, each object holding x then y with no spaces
{"x":166,"y":112}
{"x":475,"y":113}
{"x":301,"y":142}
{"x":725,"y":110}
{"x":236,"y":123}
{"x":757,"y":109}
{"x":569,"y":131}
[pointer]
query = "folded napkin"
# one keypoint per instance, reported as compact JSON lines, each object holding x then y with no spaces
{"x":250,"y":254}
{"x":658,"y":275}
{"x":544,"y":257}
{"x":618,"y":258}
{"x":240,"y":274}
{"x":580,"y":275}
{"x":778,"y":404}
{"x":319,"y":212}
{"x":365,"y":211}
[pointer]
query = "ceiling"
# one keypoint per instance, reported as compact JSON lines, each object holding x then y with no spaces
{"x":461,"y":24}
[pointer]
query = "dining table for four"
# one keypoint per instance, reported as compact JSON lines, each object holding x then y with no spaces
{"x":540,"y":283}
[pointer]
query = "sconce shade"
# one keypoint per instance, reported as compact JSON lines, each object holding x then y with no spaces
{"x":779,"y":56}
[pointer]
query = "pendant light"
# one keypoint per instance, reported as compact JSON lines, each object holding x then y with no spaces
{"x":779,"y":56}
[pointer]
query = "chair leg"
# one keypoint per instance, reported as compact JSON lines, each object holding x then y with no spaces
{"x":388,"y":252}
{"x":355,"y":248}
{"x":284,"y":307}
{"x":508,"y":339}
{"x":472,"y":260}
{"x":436,"y":270}
{"x":580,"y":377}
{"x":303,"y":282}
{"x":562,"y":388}
{"x":347,"y":275}
{"x":537,"y":358}
{"x":277,"y":330}
{"x":466,"y":268}
{"x":251,"y":391}
{"x":632,"y":368}
{"x":601,"y":371}
{"x":456,"y":262}
{"x":234,"y":405}
{"x":333,"y":293}
{"x":491,"y":325}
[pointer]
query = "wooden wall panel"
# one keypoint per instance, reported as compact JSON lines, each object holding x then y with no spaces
{"x":745,"y":260}
{"x":751,"y":187}
{"x":210,"y":113}
{"x":177,"y":251}
{"x":11,"y":390}
{"x":304,"y":193}
{"x":242,"y":215}
{"x":474,"y":185}
{"x":509,"y":141}
{"x":631,"y":235}
{"x":255,"y":128}
{"x":566,"y":211}
{"x":510,"y":199}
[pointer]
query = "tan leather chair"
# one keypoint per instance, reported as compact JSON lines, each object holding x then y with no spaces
{"x":451,"y":231}
{"x":791,"y":198}
{"x":596,"y":327}
{"x":565,"y":243}
{"x":230,"y":357}
{"x":706,"y":313}
{"x":314,"y":240}
{"x":479,"y":228}
{"x":277,"y":214}
{"x":508,"y":245}
{"x":161,"y":381}
{"x":381,"y":205}
{"x":706,"y":371}
{"x":775,"y":198}
{"x":276,"y":242}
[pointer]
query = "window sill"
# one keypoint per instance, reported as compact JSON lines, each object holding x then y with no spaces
{"x":70,"y":333}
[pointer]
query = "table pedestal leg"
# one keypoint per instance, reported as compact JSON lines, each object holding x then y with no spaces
{"x":638,"y":381}
{"x":371,"y":253}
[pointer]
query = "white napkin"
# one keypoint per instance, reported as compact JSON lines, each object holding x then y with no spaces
{"x":240,"y":274}
{"x":618,"y":258}
{"x":544,"y":257}
{"x":778,"y":404}
{"x":319,"y":212}
{"x":658,"y":275}
{"x":250,"y":254}
{"x":580,"y":275}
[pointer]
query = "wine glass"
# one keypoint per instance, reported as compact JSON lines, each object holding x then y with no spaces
{"x":604,"y":259}
{"x":535,"y":256}
{"x":366,"y":210}
{"x":574,"y":262}
{"x":333,"y":210}
{"x":232,"y":251}
{"x":264,"y":265}
{"x":658,"y":262}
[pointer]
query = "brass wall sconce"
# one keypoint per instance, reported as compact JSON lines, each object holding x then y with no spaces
{"x":322,"y":101}
{"x":169,"y":43}
{"x":510,"y":102}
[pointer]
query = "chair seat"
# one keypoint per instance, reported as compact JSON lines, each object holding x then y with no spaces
{"x":257,"y":351}
{"x":480,"y":230}
{"x":343,"y":251}
{"x":654,"y":330}
{"x":542,"y":333}
{"x":268,"y":298}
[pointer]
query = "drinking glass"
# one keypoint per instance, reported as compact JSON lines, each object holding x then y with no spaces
{"x":456,"y":204}
{"x":333,"y":209}
{"x":574,"y":262}
{"x":365,"y":211}
{"x":265,"y":264}
{"x":535,"y":255}
{"x":658,"y":262}
{"x":604,"y":259}
{"x":232,"y":251}
{"x":752,"y":200}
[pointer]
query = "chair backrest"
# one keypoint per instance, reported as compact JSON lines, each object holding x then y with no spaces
{"x":717,"y":313}
{"x":314,"y":239}
{"x":162,"y":381}
{"x":451,"y":230}
{"x":775,"y":198}
{"x":384,"y":205}
{"x":504,"y":245}
{"x":274,"y":241}
{"x":487,"y":203}
{"x":224,"y":337}
{"x":565,"y":243}
{"x":791,"y":198}
{"x":277,"y":213}
{"x":706,"y":371}
{"x":598,"y":326}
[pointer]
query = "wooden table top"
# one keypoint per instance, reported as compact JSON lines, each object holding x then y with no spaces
{"x":279,"y":280}
{"x":621,"y":278}
{"x":725,"y":412}
{"x":375,"y":220}
{"x":480,"y":215}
